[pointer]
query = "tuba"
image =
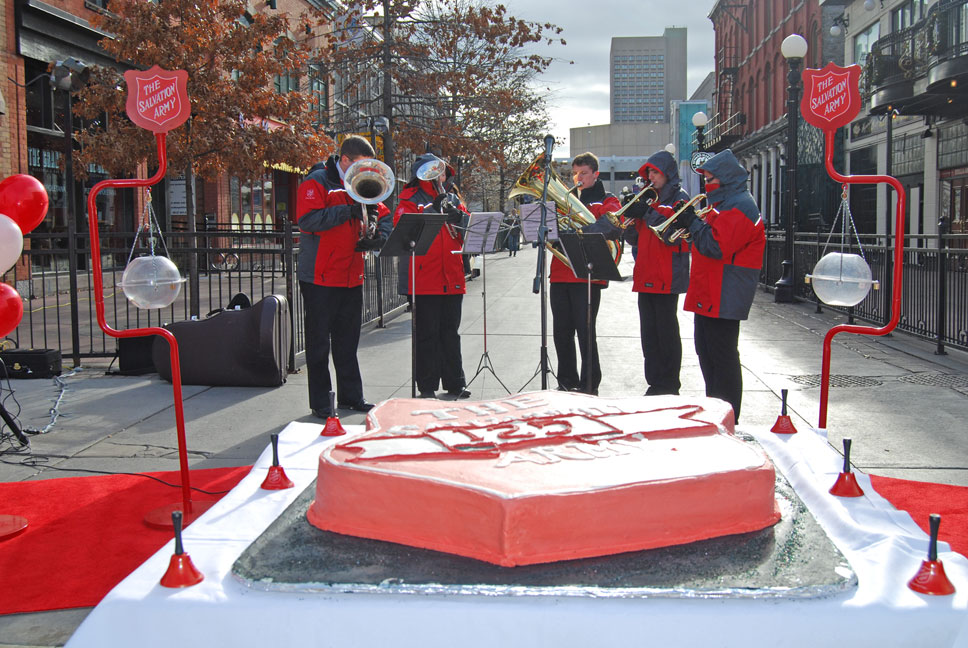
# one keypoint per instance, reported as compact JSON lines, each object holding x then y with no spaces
{"x":572,"y":214}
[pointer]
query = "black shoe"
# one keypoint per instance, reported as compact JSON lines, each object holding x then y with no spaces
{"x":427,"y":395}
{"x":321,"y":413}
{"x":361,"y":406}
{"x":459,"y":394}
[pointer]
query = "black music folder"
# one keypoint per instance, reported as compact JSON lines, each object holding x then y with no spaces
{"x":413,"y":234}
{"x":589,"y":256}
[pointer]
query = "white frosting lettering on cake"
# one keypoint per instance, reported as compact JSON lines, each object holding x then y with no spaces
{"x":543,"y":433}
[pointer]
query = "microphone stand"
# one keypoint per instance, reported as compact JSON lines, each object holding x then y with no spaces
{"x":540,"y":282}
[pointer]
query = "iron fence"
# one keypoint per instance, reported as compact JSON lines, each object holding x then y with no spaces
{"x":934,"y":298}
{"x":217,"y":266}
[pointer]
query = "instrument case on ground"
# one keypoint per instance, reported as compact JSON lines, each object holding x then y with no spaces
{"x":247,"y":347}
{"x":31,"y":363}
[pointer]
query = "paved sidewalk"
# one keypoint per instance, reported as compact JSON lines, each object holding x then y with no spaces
{"x":904,"y":407}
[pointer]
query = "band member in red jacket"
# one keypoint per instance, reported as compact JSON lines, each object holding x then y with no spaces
{"x":568,"y":295}
{"x":440,"y":284}
{"x":727,"y":253}
{"x":332,"y":241}
{"x":661,"y":274}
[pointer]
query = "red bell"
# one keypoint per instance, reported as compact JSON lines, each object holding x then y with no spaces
{"x":783,"y":423}
{"x":181,"y":572}
{"x":931,"y":578}
{"x":846,"y":484}
{"x":333,"y":427}
{"x":276,"y":479}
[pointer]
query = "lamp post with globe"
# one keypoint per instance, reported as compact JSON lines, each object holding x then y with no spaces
{"x":699,"y":120}
{"x":793,"y":48}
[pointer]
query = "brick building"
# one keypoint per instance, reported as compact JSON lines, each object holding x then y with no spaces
{"x":749,"y":112}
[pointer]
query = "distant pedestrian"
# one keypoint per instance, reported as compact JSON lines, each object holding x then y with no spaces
{"x":514,"y":236}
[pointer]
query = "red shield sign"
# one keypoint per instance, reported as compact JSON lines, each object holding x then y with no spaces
{"x":157,"y":98}
{"x":831,"y":96}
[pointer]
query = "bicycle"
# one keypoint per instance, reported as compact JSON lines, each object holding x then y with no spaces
{"x":225,"y":261}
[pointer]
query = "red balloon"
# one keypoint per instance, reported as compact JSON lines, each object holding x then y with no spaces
{"x":24,"y":199}
{"x":11,"y":309}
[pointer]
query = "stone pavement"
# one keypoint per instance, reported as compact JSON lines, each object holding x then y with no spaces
{"x":904,"y":407}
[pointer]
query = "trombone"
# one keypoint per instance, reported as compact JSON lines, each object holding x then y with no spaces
{"x":369,"y":181}
{"x":661,"y":229}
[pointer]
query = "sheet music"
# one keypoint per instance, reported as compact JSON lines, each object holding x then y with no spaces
{"x":480,"y":236}
{"x":531,"y":221}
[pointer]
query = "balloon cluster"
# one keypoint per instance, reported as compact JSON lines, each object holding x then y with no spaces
{"x":23,"y":205}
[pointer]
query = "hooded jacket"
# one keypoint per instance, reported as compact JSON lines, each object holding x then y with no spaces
{"x":598,"y":202}
{"x":328,"y":232}
{"x":441,"y":270}
{"x":727,"y":249}
{"x":660,"y":267}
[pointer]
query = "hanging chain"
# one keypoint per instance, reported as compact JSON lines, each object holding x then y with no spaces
{"x":845,"y":217}
{"x":148,"y":223}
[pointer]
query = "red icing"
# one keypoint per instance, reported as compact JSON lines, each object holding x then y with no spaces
{"x":545,"y":476}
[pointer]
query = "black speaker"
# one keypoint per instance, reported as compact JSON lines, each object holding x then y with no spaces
{"x":134,"y":355}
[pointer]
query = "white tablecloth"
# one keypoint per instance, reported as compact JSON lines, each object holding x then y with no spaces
{"x":884,"y":547}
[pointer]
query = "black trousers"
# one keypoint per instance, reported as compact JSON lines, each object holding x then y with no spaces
{"x":661,"y":344}
{"x":569,"y":310}
{"x":717,"y":345}
{"x":438,"y":343}
{"x":333,"y":318}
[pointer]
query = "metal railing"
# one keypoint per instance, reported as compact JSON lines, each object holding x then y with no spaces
{"x":934,"y":301}
{"x":217,"y":265}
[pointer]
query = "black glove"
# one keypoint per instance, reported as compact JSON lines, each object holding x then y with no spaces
{"x":368,"y":244}
{"x":686,"y":218}
{"x":638,"y":209}
{"x":357,"y":211}
{"x":448,"y":204}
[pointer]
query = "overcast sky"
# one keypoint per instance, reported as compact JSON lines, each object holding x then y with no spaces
{"x":580,"y":90}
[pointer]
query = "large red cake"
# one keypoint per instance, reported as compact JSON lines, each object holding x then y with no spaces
{"x":545,"y":476}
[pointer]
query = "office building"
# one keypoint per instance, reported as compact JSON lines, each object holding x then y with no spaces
{"x":646,"y":73}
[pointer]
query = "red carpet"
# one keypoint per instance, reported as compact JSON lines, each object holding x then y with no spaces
{"x":86,"y":534}
{"x":921,"y":499}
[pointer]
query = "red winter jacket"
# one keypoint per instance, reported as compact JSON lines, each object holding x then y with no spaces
{"x":441,"y":270}
{"x":327,"y":232}
{"x":727,"y":249}
{"x":659,"y":267}
{"x":598,"y":202}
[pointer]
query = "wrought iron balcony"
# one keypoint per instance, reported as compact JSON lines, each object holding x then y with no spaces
{"x":919,"y":70}
{"x":723,"y":130}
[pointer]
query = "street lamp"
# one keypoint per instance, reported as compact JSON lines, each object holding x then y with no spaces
{"x":699,"y":120}
{"x":70,"y":75}
{"x":793,"y":48}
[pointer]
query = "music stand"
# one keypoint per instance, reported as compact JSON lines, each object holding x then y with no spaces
{"x":539,"y":224}
{"x":480,"y":237}
{"x":590,"y":260}
{"x":412,"y":236}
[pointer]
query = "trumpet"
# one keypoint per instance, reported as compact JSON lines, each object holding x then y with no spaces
{"x":671,"y":237}
{"x":648,"y":192}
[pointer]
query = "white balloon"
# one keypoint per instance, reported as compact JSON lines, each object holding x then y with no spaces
{"x":11,"y":243}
